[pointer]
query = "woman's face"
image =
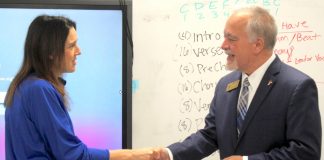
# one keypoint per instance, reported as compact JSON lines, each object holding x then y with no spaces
{"x":71,"y":50}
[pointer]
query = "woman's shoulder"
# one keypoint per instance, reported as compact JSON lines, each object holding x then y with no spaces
{"x":35,"y":84}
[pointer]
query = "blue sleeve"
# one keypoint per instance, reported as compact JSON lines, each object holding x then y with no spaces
{"x":55,"y":127}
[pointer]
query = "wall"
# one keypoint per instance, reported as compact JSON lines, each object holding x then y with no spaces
{"x":178,"y":60}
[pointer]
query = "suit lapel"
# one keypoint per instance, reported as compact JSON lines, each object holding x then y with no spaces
{"x":231,"y":118}
{"x":267,"y":82}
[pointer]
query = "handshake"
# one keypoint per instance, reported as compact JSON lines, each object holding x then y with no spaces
{"x":140,"y":154}
{"x":150,"y":154}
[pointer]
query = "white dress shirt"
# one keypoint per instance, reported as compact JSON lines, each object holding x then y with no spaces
{"x":254,"y":80}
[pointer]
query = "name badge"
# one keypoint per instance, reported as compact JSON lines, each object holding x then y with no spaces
{"x":232,"y":85}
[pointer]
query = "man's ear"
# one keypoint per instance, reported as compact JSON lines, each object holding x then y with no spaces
{"x":258,"y":45}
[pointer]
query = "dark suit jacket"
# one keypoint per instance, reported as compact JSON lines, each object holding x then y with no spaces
{"x":283,"y":121}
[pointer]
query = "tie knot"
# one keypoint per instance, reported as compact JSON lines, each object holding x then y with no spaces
{"x":246,"y":82}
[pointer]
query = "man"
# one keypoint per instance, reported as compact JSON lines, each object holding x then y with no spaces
{"x":264,"y":109}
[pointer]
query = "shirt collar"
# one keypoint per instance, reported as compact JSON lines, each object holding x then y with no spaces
{"x":63,"y":81}
{"x":256,"y":76}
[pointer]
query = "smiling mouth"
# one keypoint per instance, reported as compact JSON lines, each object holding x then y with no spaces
{"x":229,"y":55}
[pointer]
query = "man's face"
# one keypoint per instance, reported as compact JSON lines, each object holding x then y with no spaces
{"x":236,"y":44}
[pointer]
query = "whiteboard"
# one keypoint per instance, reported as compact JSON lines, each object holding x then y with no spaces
{"x":178,"y":60}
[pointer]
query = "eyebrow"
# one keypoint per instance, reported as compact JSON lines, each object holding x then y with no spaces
{"x":229,"y":35}
{"x":69,"y":44}
{"x":75,"y":41}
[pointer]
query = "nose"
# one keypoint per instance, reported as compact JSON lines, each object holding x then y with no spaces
{"x":78,"y":50}
{"x":224,"y":45}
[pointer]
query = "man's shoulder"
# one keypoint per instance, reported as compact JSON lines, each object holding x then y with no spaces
{"x":292,"y":73}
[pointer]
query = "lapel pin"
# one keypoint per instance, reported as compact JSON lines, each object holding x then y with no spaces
{"x":232,"y":85}
{"x":269,"y":83}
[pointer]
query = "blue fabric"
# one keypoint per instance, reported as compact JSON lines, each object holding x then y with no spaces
{"x":39,"y":127}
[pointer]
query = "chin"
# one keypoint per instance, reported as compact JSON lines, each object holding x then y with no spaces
{"x":70,"y":71}
{"x":230,"y":67}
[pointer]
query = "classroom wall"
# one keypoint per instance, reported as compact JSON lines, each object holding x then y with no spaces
{"x":178,"y":60}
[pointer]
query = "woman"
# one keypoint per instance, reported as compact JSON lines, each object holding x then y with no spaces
{"x":37,"y":123}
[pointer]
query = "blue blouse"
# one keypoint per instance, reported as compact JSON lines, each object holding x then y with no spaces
{"x":37,"y":126}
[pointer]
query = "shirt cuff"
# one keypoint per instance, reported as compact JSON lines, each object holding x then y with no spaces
{"x":170,"y":153}
{"x":245,"y":158}
{"x":102,"y":154}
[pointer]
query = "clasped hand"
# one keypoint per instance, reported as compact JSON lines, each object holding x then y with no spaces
{"x":140,"y":154}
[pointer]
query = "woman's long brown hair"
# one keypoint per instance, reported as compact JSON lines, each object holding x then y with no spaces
{"x":43,"y":52}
